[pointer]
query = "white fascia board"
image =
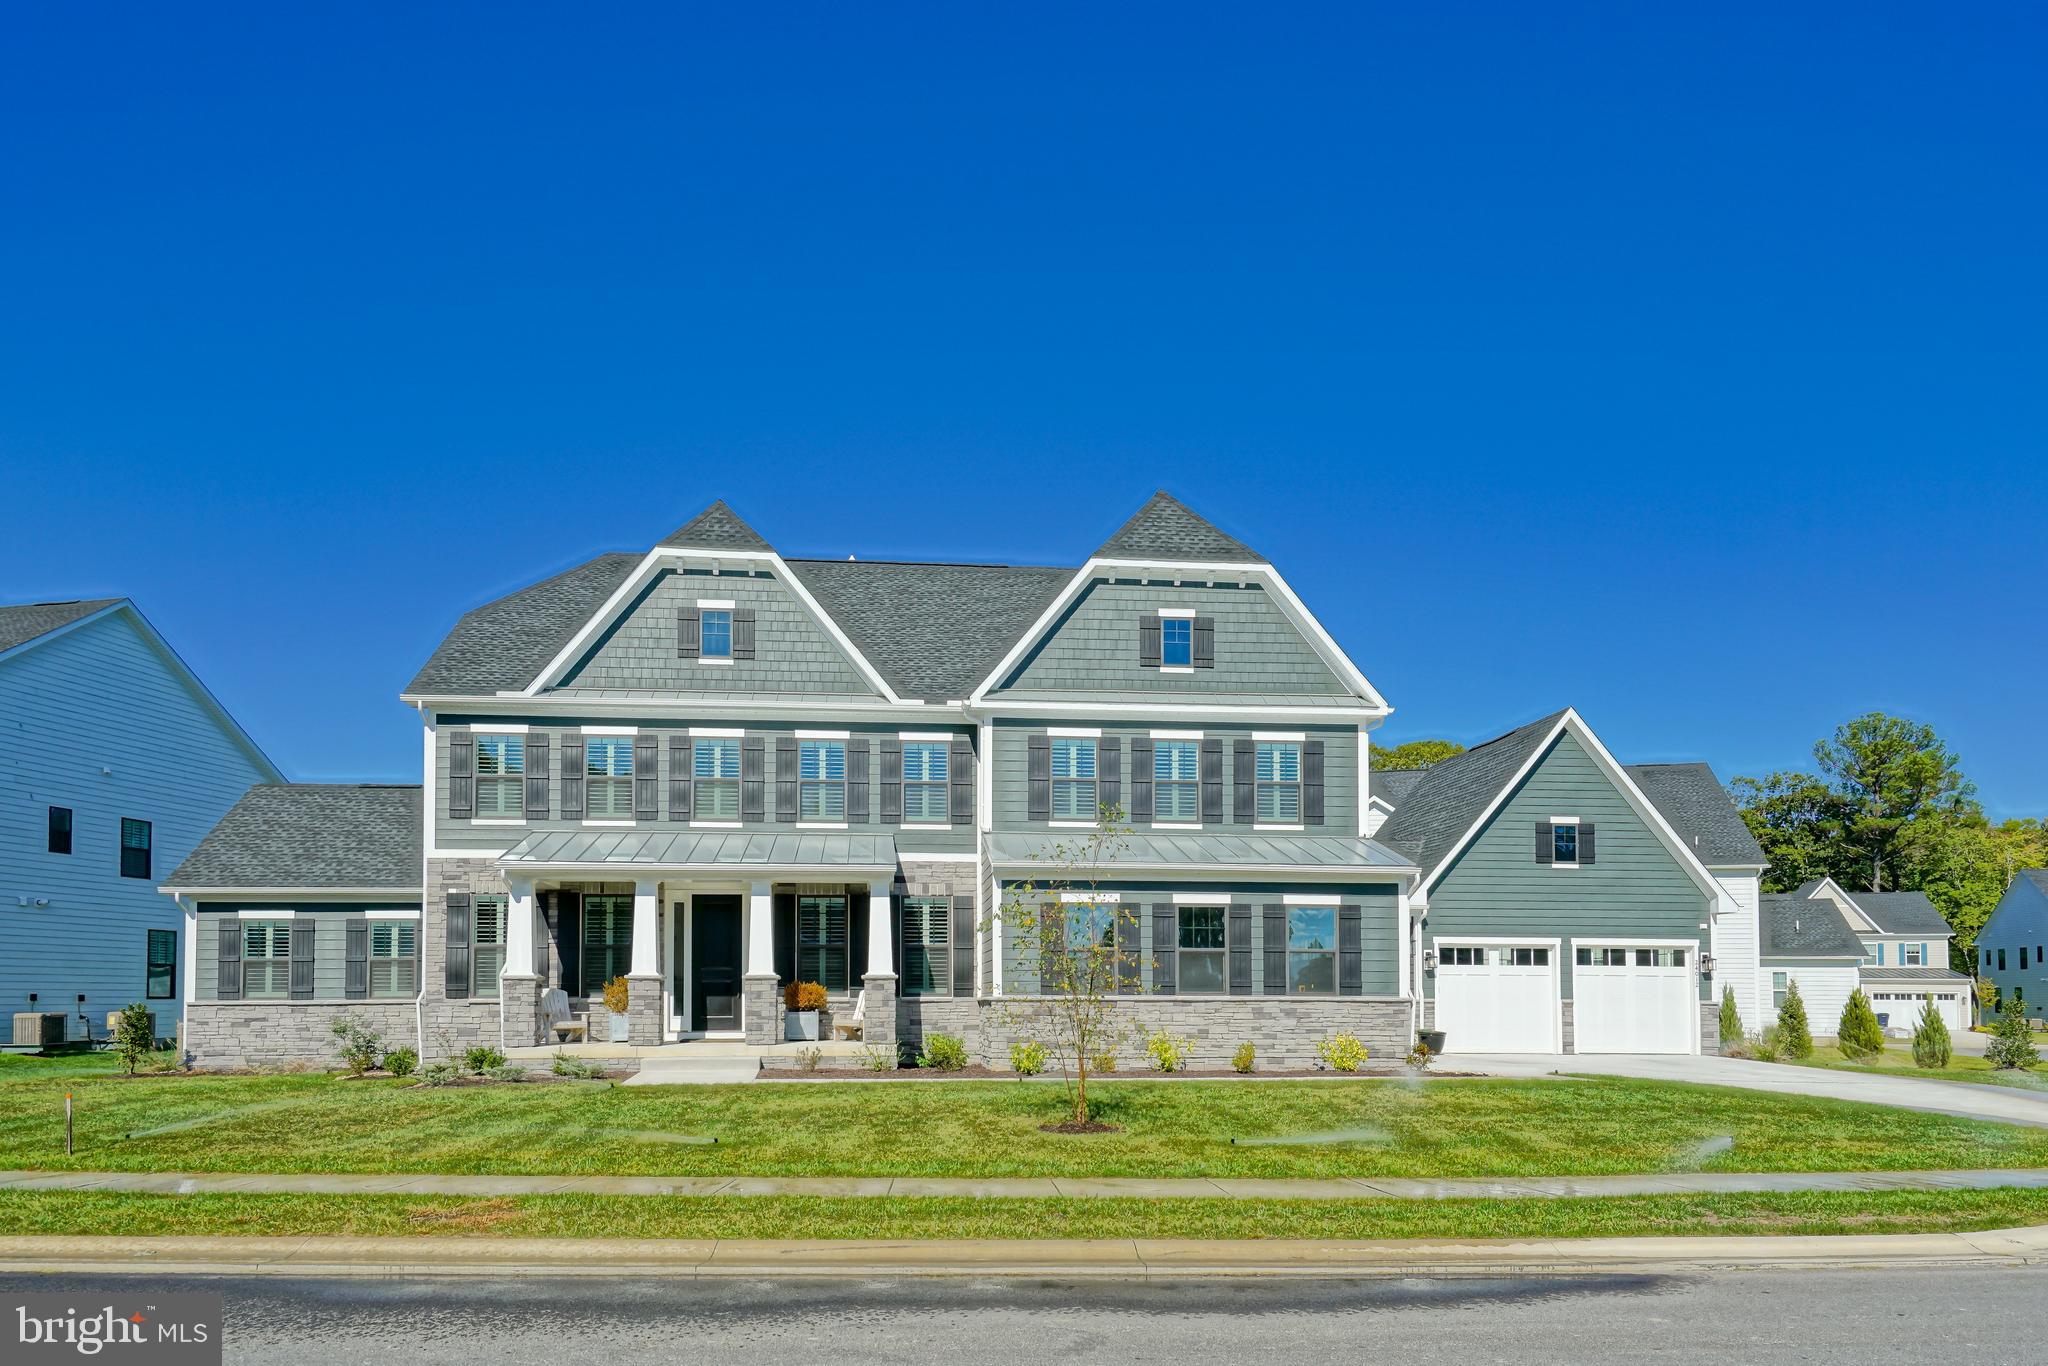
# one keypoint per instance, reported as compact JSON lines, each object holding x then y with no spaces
{"x":397,"y":894}
{"x":1182,"y":872}
{"x":541,"y":708}
{"x":1168,"y":709}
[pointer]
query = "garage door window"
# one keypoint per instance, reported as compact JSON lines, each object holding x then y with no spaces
{"x":1660,"y":958}
{"x":1602,"y":958}
{"x":1525,"y":958}
{"x":1464,"y":958}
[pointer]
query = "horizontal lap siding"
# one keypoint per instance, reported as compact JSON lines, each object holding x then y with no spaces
{"x":330,"y":941}
{"x":1635,"y":886}
{"x":97,"y":721}
{"x":2021,"y":918}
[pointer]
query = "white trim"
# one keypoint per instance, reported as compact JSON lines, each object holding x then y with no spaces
{"x":1281,"y":737}
{"x":1205,"y":899}
{"x":713,"y":659}
{"x":1562,"y":820}
{"x":822,"y":734}
{"x":1073,"y":732}
{"x":283,"y":914}
{"x":718,"y":825}
{"x":1176,"y":735}
{"x":821,"y":825}
{"x":609,"y":825}
{"x":434,"y":852}
{"x":1304,"y":899}
{"x":1070,"y":825}
{"x":1277,"y":829}
{"x":928,"y":737}
{"x":391,"y":915}
{"x":499,"y":728}
{"x":296,"y":893}
{"x":609,"y":730}
{"x":718,"y":733}
{"x":1091,"y":898}
{"x":1189,"y":612}
{"x":1175,"y":825}
{"x":1171,"y":708}
{"x":1512,"y":941}
{"x":912,"y":827}
{"x":719,"y":604}
{"x":1624,"y":941}
{"x":1176,"y":668}
{"x":902,"y":857}
{"x":497,"y":820}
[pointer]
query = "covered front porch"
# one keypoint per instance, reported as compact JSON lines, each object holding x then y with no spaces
{"x":704,"y":926}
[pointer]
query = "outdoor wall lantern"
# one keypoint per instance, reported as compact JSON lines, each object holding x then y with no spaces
{"x":1706,"y":965}
{"x":1429,"y":960}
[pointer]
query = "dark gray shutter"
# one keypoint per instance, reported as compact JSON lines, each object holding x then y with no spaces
{"x":355,"y":982}
{"x":857,"y":899}
{"x":689,"y":633}
{"x":545,"y":901}
{"x":1038,"y":778}
{"x":963,"y":946}
{"x":302,"y":959}
{"x":1143,"y":771}
{"x":1165,"y":939}
{"x":679,"y":774}
{"x":1212,"y":779}
{"x":461,"y":775}
{"x":1148,"y":640}
{"x":1240,"y":950}
{"x":1205,"y":642}
{"x":1244,"y":786}
{"x":743,"y":633}
{"x":537,"y":777}
{"x":1052,"y":942}
{"x":1109,"y":770}
{"x":646,"y":778}
{"x":1130,"y":953}
{"x":1273,"y":941}
{"x":1350,"y":951}
{"x":573,"y":765}
{"x":753,"y":765}
{"x":892,"y":780}
{"x":785,"y":937}
{"x":960,"y":770}
{"x":228,"y":954}
{"x":1312,"y":782}
{"x":857,"y":781}
{"x":785,"y":778}
{"x":1546,"y":847}
{"x":1586,"y":843}
{"x":455,"y":961}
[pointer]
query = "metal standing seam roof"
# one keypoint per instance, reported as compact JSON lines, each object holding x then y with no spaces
{"x":1193,"y":852}
{"x":1799,"y":927}
{"x":312,"y":836}
{"x":1893,"y":976}
{"x":720,"y":849}
{"x":23,"y":622}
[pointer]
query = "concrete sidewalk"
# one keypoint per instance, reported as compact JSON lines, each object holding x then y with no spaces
{"x":1121,"y":1259}
{"x":1056,"y":1187}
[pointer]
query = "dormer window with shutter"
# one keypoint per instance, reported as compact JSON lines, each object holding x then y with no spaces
{"x":1176,"y":640}
{"x":715,"y":631}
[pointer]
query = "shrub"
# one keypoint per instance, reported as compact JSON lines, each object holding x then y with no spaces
{"x":809,"y":1058}
{"x":803,"y":996}
{"x":439,"y":1073}
{"x":582,"y":1069}
{"x":1246,"y":1057}
{"x":943,"y":1052}
{"x":482,"y":1058}
{"x":1795,"y":1038}
{"x":1859,"y":1035}
{"x":504,"y":1073}
{"x":1169,"y":1052}
{"x":360,"y":1044}
{"x":1027,"y":1057}
{"x":1341,"y":1052}
{"x":1104,"y":1061}
{"x":1931,"y":1047}
{"x":402,"y":1062}
{"x":132,"y":1036}
{"x":1731,"y":1020}
{"x":1767,"y":1044}
{"x":879,"y":1057}
{"x":2011,"y":1042}
{"x":618,"y":994}
{"x":1419,"y":1057}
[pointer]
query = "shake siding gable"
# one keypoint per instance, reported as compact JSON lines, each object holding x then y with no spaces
{"x":1637,"y":889}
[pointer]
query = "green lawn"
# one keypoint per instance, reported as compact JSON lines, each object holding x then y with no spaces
{"x":558,"y":1216}
{"x":1437,"y":1128}
{"x":1898,"y":1061}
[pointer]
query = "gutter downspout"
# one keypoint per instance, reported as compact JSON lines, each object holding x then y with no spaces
{"x":419,"y":1000}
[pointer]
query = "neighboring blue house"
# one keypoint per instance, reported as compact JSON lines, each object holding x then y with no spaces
{"x":2012,"y":948}
{"x":118,"y":760}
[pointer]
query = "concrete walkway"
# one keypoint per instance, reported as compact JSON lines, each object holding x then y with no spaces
{"x":1100,"y":1187}
{"x":2005,"y":1104}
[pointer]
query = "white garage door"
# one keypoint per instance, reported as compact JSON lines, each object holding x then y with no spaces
{"x":1628,"y":998}
{"x":1899,"y":1011}
{"x":1498,"y":998}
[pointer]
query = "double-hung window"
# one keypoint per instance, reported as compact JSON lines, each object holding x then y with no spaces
{"x":715,"y":636}
{"x":500,"y":775}
{"x":1199,"y":966}
{"x":1277,"y":770}
{"x":927,"y":934}
{"x":607,"y":939}
{"x":1564,"y":844}
{"x":1311,"y":950}
{"x":1913,"y":955}
{"x":1176,"y":780}
{"x":715,"y":779}
{"x":487,"y":951}
{"x":394,"y":948}
{"x":1177,"y":642}
{"x":608,"y":777}
{"x":821,"y":943}
{"x":266,"y":958}
{"x":924,"y":780}
{"x":1779,"y":981}
{"x":1073,"y":779}
{"x":821,"y":778}
{"x":135,"y":843}
{"x":162,"y":979}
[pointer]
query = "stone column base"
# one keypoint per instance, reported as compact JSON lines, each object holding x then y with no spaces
{"x":643,"y":1010}
{"x":763,"y":1008}
{"x":520,"y":993}
{"x":878,"y":1025}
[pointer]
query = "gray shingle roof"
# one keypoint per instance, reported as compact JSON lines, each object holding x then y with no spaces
{"x":1392,"y":785}
{"x":2037,"y":876}
{"x":933,"y":630}
{"x":503,"y":644}
{"x":1692,"y":799}
{"x":1451,"y":795}
{"x":1799,"y":927}
{"x":23,"y":623}
{"x":312,"y":836}
{"x":1901,"y":912}
{"x":717,"y":527}
{"x":1167,"y":529}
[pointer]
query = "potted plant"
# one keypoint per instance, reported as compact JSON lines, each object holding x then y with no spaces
{"x":617,"y":996}
{"x":801,"y":1003}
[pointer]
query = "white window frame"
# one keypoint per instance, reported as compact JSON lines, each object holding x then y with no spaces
{"x":717,"y":781}
{"x":927,"y":785}
{"x":1093,"y":781}
{"x":611,"y":782}
{"x":1557,"y":823}
{"x":505,"y":743}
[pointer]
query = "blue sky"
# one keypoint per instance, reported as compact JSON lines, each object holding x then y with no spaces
{"x":1681,"y":363}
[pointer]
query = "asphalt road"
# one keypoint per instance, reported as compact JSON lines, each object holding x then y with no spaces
{"x":1828,"y":1316}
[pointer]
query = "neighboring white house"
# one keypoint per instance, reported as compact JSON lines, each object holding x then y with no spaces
{"x":118,"y":761}
{"x":1894,"y":945}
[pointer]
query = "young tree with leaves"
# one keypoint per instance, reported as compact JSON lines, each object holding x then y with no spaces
{"x":1795,"y":1036}
{"x":1414,"y":754}
{"x":1859,"y":1035}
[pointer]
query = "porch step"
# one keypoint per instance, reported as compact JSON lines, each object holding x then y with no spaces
{"x":695,"y":1071}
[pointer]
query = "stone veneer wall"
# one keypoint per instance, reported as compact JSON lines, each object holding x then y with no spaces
{"x":1285,"y":1030}
{"x":454,"y":1025}
{"x":1710,"y":1027}
{"x":238,"y":1034}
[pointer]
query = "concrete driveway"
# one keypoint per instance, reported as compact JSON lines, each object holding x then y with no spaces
{"x":1971,"y":1101}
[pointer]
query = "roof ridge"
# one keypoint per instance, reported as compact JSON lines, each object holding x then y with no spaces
{"x":932,"y":564}
{"x":717,"y":527}
{"x":1170,"y":531}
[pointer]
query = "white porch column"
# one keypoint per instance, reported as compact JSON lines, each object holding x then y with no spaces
{"x":881,"y":960}
{"x":646,"y":930}
{"x":519,"y":935}
{"x":878,"y":1028}
{"x":761,"y":930}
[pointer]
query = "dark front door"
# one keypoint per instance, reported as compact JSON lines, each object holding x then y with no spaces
{"x":715,"y":962}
